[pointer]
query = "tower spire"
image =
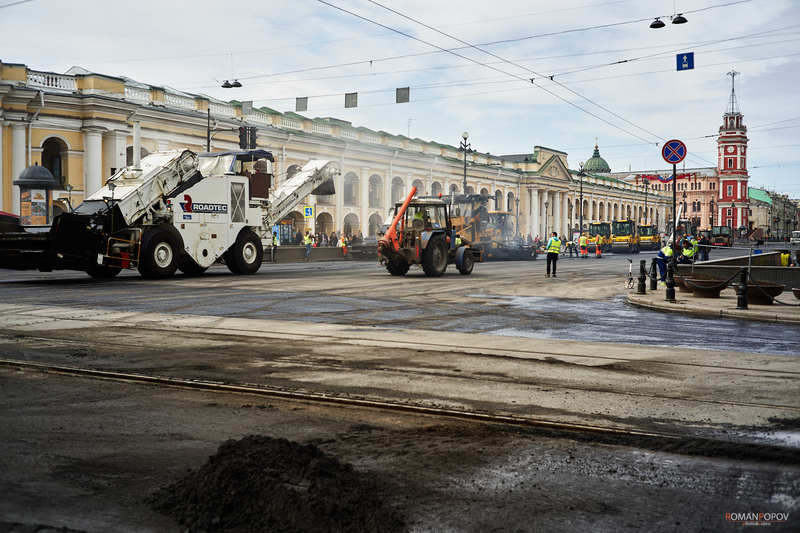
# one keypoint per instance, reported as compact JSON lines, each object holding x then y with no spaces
{"x":733,"y":105}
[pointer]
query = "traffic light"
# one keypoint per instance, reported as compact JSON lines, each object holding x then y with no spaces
{"x":253,"y":137}
{"x":243,"y":137}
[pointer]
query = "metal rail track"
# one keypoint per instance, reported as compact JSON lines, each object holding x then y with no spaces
{"x":276,"y":392}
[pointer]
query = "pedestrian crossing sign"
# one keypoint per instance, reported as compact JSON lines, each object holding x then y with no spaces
{"x":308,"y":211}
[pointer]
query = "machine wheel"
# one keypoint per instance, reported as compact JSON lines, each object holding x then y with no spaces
{"x":159,"y":254}
{"x":246,"y":254}
{"x":467,"y":264}
{"x":398,"y":267}
{"x":102,"y":271}
{"x":189,"y":267}
{"x":434,"y":258}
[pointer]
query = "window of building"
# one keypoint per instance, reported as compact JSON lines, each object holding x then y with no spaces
{"x":729,"y":212}
{"x":54,"y":158}
{"x":729,"y":163}
{"x":729,"y":190}
{"x":712,"y":186}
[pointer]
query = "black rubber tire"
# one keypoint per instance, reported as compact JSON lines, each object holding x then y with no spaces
{"x":190,"y":268}
{"x":467,"y":264}
{"x":246,"y":254}
{"x":397,"y":267}
{"x":103,"y":271}
{"x":158,"y":257}
{"x":434,"y":258}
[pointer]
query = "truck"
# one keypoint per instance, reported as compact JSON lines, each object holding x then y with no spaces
{"x":649,"y":238}
{"x":176,"y":210}
{"x":624,"y":237}
{"x":721,"y":236}
{"x":599,"y":233}
{"x":422,"y":233}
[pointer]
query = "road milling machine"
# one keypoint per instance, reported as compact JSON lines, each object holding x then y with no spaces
{"x":177,"y":210}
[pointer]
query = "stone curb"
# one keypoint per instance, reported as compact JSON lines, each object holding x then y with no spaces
{"x":688,"y":306}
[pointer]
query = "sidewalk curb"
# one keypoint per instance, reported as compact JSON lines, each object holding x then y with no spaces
{"x":684,"y":306}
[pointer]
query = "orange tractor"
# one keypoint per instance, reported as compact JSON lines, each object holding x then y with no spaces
{"x":422,"y":233}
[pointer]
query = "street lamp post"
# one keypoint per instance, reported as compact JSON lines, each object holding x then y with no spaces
{"x":580,"y":222}
{"x":465,"y":146}
{"x":546,"y":205}
{"x":646,"y":183}
{"x":711,"y":217}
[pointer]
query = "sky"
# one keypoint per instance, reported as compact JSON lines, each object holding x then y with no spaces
{"x":613,"y":78}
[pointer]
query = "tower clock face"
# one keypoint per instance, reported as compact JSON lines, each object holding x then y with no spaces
{"x":729,"y":149}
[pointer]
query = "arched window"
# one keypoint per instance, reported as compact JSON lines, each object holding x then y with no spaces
{"x":350,"y":193}
{"x":436,"y":188}
{"x":510,"y":202}
{"x":498,"y":199}
{"x":129,"y":154}
{"x":398,"y":190}
{"x":375,"y":224}
{"x":351,"y":226}
{"x":484,"y":192}
{"x":453,"y":189}
{"x":375,"y":191}
{"x":470,"y":190}
{"x":420,"y":187}
{"x":324,"y":223}
{"x":54,"y":158}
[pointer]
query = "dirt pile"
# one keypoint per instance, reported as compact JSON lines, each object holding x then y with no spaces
{"x":260,"y":483}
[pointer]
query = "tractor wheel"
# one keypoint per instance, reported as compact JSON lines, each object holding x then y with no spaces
{"x":397,"y":267}
{"x":190,"y":268}
{"x":246,"y":254}
{"x":159,"y":254}
{"x":434,"y":258}
{"x":467,"y":264}
{"x":102,"y":271}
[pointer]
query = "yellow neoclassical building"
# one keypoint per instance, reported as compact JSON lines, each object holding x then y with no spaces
{"x":82,"y":125}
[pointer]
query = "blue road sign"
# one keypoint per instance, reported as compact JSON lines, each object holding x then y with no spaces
{"x":673,"y":151}
{"x":685,"y":61}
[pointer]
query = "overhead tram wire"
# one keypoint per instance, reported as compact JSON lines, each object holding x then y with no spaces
{"x":526,"y":80}
{"x":661,"y":138}
{"x":490,"y":43}
{"x":12,"y":4}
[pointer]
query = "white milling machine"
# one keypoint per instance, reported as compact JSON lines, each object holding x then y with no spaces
{"x":178,"y":210}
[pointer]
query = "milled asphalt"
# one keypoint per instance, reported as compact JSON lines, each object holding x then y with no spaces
{"x":504,"y":340}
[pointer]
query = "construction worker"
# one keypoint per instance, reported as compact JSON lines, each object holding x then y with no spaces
{"x":664,"y":255}
{"x":583,"y":242}
{"x":598,"y":249}
{"x":553,"y":248}
{"x":307,"y":242}
{"x":458,"y":240}
{"x":695,"y":245}
{"x":687,"y":255}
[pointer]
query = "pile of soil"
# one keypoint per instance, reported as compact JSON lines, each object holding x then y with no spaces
{"x":260,"y":483}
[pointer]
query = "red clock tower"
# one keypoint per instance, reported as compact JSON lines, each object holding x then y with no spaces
{"x":733,"y":205}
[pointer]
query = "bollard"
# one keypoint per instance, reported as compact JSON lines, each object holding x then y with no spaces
{"x":671,"y":281}
{"x":653,"y":275}
{"x":640,"y":288}
{"x":741,"y":291}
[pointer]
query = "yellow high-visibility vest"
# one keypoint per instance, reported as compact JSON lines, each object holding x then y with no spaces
{"x":554,"y":246}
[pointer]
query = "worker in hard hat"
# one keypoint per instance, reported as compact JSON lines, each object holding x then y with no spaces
{"x":664,"y":255}
{"x":583,"y":242}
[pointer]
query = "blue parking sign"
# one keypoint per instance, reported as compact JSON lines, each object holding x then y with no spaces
{"x":685,"y":61}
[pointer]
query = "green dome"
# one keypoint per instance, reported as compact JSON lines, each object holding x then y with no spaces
{"x":596,"y":163}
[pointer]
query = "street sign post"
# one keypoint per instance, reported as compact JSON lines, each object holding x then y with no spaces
{"x":674,"y":151}
{"x":685,"y":61}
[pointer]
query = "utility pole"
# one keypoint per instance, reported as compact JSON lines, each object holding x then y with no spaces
{"x":580,"y":222}
{"x":208,"y":131}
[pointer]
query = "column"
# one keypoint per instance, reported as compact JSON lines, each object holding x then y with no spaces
{"x":18,"y":162}
{"x":338,"y":220}
{"x":533,"y":221}
{"x":557,"y":212}
{"x":92,"y":161}
{"x":364,"y":201}
{"x":137,"y":144}
{"x":114,"y":151}
{"x":565,"y":213}
{"x":543,"y":217}
{"x":2,"y":177}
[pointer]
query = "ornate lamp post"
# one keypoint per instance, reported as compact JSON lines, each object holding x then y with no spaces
{"x":711,"y":214}
{"x":546,"y":205}
{"x":580,"y":223}
{"x":465,"y":146}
